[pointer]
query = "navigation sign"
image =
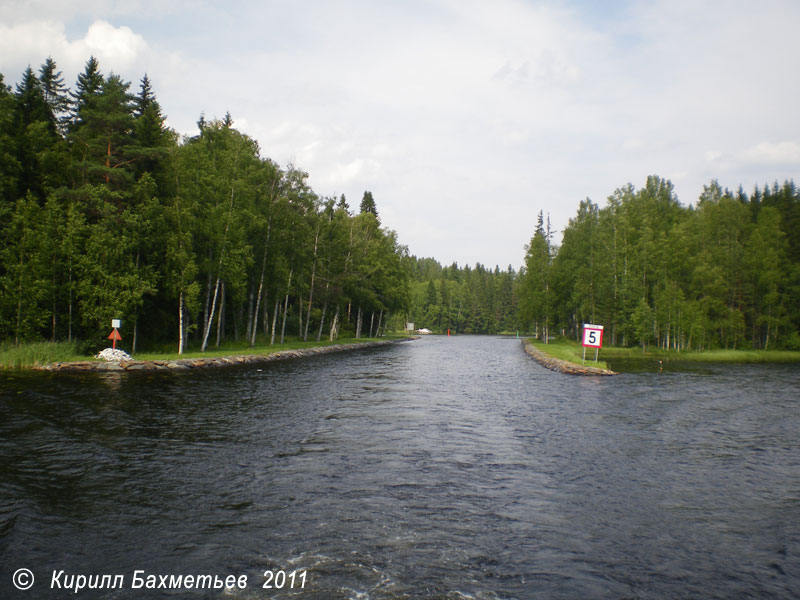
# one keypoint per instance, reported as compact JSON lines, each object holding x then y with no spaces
{"x":114,"y":336}
{"x":592,"y":336}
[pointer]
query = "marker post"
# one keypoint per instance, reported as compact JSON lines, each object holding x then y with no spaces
{"x":114,"y":336}
{"x":592,"y":338}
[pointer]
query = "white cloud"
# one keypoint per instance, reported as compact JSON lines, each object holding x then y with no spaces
{"x":117,"y":49}
{"x":31,"y":43}
{"x":780,"y":153}
{"x":466,"y":116}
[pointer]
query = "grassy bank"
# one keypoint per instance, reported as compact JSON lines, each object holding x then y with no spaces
{"x":572,"y":351}
{"x":263,"y":349}
{"x":569,"y":351}
{"x":34,"y":354}
{"x":711,"y":356}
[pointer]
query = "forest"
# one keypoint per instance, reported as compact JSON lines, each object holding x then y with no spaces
{"x":724,"y":274}
{"x":463,"y":299}
{"x":105,"y":213}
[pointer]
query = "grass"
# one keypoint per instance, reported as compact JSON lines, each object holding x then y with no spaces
{"x":33,"y":354}
{"x":263,"y":349}
{"x":712,"y":356}
{"x":572,"y":351}
{"x":569,"y":351}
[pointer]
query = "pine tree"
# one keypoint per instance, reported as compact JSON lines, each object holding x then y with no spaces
{"x":103,"y":132}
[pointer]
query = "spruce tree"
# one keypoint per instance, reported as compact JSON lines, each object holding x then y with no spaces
{"x":87,"y":88}
{"x":56,"y":95}
{"x":368,"y":204}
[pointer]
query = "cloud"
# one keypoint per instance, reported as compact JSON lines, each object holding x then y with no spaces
{"x":466,"y":115}
{"x":780,"y":153}
{"x":116,"y":48}
{"x":26,"y":43}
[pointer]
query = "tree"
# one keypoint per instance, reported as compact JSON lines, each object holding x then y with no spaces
{"x":22,"y":284}
{"x":33,"y":134}
{"x":368,"y":205}
{"x":151,"y":138}
{"x":535,"y":295}
{"x":55,"y":94}
{"x":10,"y":167}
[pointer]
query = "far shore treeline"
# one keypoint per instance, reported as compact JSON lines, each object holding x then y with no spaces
{"x":105,"y":213}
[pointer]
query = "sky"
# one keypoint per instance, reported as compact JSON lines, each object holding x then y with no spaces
{"x":464,"y":118}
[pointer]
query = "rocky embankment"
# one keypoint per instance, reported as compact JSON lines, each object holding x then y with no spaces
{"x":562,"y":366}
{"x":185,"y":364}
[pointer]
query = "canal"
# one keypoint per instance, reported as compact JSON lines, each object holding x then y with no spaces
{"x":447,"y":468}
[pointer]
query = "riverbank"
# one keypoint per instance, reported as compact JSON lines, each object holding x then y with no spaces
{"x":204,"y":362}
{"x":563,"y":366}
{"x":706,"y":356}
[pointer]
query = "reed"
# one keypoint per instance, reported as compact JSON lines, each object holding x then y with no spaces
{"x":33,"y":354}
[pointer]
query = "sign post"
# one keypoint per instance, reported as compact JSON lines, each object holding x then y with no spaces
{"x":592,"y":338}
{"x":114,"y":336}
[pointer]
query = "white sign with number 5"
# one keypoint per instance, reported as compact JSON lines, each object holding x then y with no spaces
{"x":593,"y":336}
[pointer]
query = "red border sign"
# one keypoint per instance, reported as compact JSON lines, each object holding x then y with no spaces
{"x":592,"y":336}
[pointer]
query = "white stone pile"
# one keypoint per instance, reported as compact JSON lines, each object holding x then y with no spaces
{"x":112,"y":355}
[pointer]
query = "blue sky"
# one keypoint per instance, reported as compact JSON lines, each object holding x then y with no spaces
{"x":463,"y":118}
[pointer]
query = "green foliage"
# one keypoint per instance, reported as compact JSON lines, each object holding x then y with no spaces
{"x":461,"y":299}
{"x":105,"y":213}
{"x":536,"y":304}
{"x":721,"y":275}
{"x":34,"y":354}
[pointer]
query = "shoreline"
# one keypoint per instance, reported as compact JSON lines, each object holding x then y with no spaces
{"x":562,"y":366}
{"x":187,"y":364}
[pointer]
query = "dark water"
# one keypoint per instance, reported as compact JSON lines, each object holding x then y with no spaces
{"x":443,"y":468}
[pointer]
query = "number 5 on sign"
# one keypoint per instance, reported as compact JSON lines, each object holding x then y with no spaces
{"x":593,"y":336}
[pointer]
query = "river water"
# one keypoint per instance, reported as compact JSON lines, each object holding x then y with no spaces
{"x":444,"y":468}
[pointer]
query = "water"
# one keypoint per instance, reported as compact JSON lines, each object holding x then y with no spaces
{"x":445,"y":468}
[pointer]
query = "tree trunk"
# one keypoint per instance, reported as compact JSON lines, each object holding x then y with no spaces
{"x":322,"y":320}
{"x":221,"y":260}
{"x":250,"y":320}
{"x":261,"y":286}
{"x":53,"y":334}
{"x":69,"y":317}
{"x":265,"y":316}
{"x":274,"y":320}
{"x":208,"y":300}
{"x":181,"y":342}
{"x":358,"y":324}
{"x":311,"y":290}
{"x":371,"y":322}
{"x":207,"y":328}
{"x":286,"y":305}
{"x":221,"y":314}
{"x":334,"y":324}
